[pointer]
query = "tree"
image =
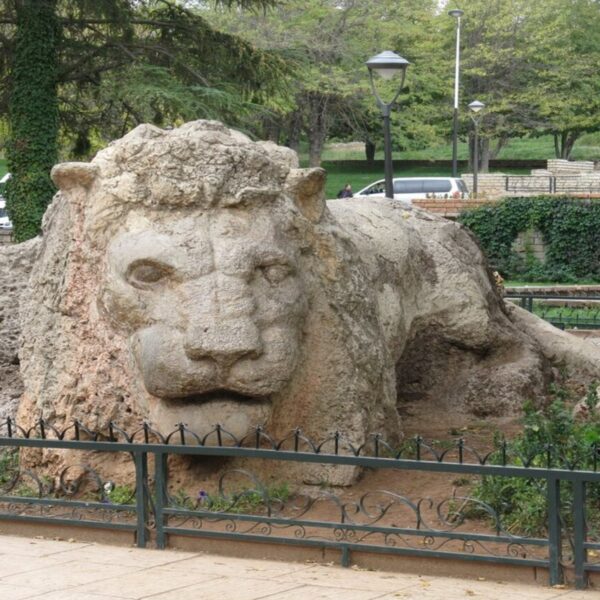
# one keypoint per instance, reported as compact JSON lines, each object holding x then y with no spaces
{"x":331,"y":41}
{"x":31,"y":150}
{"x":62,"y":56}
{"x":534,"y":65}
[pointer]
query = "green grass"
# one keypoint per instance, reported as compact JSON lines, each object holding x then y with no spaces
{"x":539,"y":148}
{"x":519,"y":283}
{"x":3,"y":167}
{"x":340,"y":175}
{"x":240,"y":501}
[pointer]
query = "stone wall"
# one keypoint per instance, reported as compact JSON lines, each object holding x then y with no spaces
{"x":560,"y":166}
{"x":488,"y":184}
{"x":530,"y":243}
{"x":560,"y":177}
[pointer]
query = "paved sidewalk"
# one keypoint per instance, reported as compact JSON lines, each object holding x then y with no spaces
{"x":53,"y":570}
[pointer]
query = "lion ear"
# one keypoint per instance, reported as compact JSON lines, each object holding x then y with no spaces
{"x":307,"y":188}
{"x":69,"y":175}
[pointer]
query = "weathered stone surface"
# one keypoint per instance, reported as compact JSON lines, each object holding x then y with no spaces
{"x":15,"y":265}
{"x":195,"y":276}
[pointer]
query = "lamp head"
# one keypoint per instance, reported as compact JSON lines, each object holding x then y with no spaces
{"x":476,"y":106}
{"x":387,"y":64}
{"x":456,"y":13}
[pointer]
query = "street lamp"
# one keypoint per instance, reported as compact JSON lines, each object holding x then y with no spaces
{"x":457,"y":14}
{"x":475,"y":107}
{"x":387,"y":65}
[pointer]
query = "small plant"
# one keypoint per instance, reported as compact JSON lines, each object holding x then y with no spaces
{"x":239,"y":501}
{"x":9,"y":465}
{"x":119,"y":494}
{"x":553,"y":437}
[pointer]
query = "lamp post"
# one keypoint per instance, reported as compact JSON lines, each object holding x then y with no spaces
{"x":457,"y":14}
{"x":387,"y":65}
{"x":475,"y":107}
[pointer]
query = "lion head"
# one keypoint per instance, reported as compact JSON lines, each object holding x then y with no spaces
{"x":194,"y":276}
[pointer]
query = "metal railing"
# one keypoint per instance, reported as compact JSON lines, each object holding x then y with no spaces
{"x":566,"y":317}
{"x":550,"y":184}
{"x":244,"y":506}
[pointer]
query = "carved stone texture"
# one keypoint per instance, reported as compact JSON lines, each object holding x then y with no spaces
{"x":195,"y":276}
{"x":15,"y":265}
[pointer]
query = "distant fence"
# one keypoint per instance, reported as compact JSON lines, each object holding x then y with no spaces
{"x":571,"y":316}
{"x":552,"y":184}
{"x":442,"y":164}
{"x":244,"y":507}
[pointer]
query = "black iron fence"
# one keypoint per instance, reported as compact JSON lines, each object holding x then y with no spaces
{"x":566,"y":309}
{"x":245,"y":502}
{"x":551,"y":184}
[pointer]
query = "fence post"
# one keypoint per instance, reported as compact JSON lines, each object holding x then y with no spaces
{"x":141,"y":497}
{"x":579,"y":534}
{"x":161,"y":498}
{"x":554,"y":531}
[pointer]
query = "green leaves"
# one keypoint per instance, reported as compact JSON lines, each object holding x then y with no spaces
{"x":570,"y":228}
{"x":31,"y":148}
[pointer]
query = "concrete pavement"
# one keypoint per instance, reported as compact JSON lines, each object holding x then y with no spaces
{"x":57,"y":570}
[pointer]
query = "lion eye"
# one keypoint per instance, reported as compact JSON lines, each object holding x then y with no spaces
{"x":275,"y":273}
{"x":145,"y":274}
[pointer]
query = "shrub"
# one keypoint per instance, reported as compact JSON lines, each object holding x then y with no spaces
{"x":570,"y":228}
{"x":520,"y":502}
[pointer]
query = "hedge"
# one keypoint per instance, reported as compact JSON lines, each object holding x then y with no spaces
{"x":570,"y":229}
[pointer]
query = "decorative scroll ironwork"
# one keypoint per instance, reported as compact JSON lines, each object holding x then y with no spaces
{"x":242,"y":506}
{"x":378,"y":517}
{"x":456,"y":451}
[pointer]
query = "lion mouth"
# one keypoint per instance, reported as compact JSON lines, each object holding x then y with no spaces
{"x":220,"y":395}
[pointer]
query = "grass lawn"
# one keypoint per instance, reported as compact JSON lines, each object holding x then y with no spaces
{"x":587,"y":148}
{"x":339,"y":175}
{"x":515,"y":283}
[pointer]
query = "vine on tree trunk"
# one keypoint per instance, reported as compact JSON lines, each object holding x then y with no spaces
{"x":32,"y":145}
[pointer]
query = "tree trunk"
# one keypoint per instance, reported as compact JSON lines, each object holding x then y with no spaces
{"x":570,"y":143}
{"x":317,"y":126}
{"x":271,"y":129}
{"x":294,"y":129}
{"x":484,"y":155}
{"x":33,"y":113}
{"x":564,"y":143}
{"x":370,"y":150}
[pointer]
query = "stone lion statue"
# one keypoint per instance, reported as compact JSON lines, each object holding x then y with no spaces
{"x":195,"y":276}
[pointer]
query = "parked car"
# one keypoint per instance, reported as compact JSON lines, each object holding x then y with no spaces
{"x":410,"y":188}
{"x":5,"y":222}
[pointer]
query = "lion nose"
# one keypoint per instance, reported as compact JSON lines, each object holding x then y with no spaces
{"x":224,"y":341}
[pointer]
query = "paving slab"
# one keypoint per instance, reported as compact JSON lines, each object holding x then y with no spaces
{"x":59,"y":570}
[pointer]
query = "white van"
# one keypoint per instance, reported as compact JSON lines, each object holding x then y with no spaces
{"x":410,"y":188}
{"x":4,"y":220}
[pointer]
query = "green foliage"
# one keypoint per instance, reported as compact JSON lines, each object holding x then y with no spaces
{"x":239,"y":501}
{"x":121,"y":494}
{"x":9,"y":465}
{"x":570,"y":228}
{"x":521,"y":503}
{"x":31,"y":149}
{"x":115,"y":64}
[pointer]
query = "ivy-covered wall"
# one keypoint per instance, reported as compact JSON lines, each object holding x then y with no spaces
{"x":570,"y":228}
{"x":32,"y":146}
